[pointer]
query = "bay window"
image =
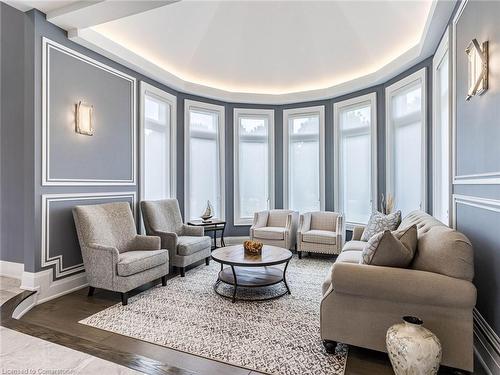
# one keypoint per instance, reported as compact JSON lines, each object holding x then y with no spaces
{"x":204,"y":158}
{"x":304,"y":159}
{"x":253,"y":163}
{"x":158,"y":123}
{"x":406,"y":142}
{"x":355,"y":135}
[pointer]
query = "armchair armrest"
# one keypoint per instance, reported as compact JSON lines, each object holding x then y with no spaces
{"x":259,"y":221}
{"x":304,"y":223}
{"x":357,"y":231}
{"x":141,"y":242}
{"x":100,"y":264}
{"x":291,"y":229}
{"x":191,"y":230}
{"x":169,"y":240}
{"x":402,"y":285}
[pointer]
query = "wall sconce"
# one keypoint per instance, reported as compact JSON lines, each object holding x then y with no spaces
{"x":478,"y":68}
{"x":84,"y":122}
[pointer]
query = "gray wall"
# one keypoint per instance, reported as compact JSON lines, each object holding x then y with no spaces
{"x":96,"y":88}
{"x":478,"y":151}
{"x":12,"y":146}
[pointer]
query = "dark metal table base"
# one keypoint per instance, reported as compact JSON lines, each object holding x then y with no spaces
{"x":251,"y":277}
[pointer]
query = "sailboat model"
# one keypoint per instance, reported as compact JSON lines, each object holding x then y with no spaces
{"x":208,"y":213}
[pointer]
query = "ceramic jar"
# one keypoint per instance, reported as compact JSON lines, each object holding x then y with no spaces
{"x":413,"y":349}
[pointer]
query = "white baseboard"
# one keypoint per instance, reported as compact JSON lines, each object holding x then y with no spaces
{"x":487,"y":344}
{"x":47,"y":289}
{"x":11,"y":269}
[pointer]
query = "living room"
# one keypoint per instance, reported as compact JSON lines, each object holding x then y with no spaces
{"x":238,"y":187}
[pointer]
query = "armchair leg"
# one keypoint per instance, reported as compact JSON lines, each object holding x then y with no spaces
{"x":330,"y":346}
{"x":91,"y":291}
{"x":300,"y":254}
{"x":207,"y":261}
{"x":124,"y":299}
{"x":164,"y":280}
{"x":183,"y":271}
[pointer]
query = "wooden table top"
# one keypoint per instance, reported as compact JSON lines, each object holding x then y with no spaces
{"x":235,"y":256}
{"x":201,"y":223}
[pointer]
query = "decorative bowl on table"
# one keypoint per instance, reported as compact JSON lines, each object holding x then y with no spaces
{"x":253,"y":247}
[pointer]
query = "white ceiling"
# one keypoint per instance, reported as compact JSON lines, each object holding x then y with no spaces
{"x":261,"y":51}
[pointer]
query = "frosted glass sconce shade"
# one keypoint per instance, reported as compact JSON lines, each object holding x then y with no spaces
{"x":84,"y":121}
{"x":477,"y":68}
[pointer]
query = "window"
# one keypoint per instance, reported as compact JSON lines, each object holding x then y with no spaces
{"x":158,"y":121}
{"x":405,"y":145}
{"x":204,"y":158}
{"x":304,"y":159}
{"x":253,"y":163}
{"x":441,"y":132}
{"x":355,"y":122}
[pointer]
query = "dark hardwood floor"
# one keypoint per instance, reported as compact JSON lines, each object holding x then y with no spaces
{"x":57,"y":321}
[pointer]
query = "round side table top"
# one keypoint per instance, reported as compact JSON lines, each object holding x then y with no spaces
{"x":235,"y":256}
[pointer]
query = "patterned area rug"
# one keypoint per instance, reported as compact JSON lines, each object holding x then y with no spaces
{"x":280,"y":336}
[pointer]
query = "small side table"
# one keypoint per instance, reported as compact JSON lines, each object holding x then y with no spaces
{"x":214,"y":225}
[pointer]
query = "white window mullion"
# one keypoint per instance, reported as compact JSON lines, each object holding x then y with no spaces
{"x":304,"y":159}
{"x":355,"y":122}
{"x":204,"y":162}
{"x":406,"y":146}
{"x":253,"y":163}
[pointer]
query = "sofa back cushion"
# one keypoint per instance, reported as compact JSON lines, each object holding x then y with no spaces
{"x":324,"y":221}
{"x":445,"y":251}
{"x":277,"y":218}
{"x":422,"y":220}
{"x":110,"y":224}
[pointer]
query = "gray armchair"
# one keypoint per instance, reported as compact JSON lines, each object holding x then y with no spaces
{"x":186,"y":244}
{"x":320,"y":232}
{"x":275,"y":227}
{"x":115,"y":257}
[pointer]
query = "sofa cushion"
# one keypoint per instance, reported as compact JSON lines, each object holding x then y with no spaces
{"x":379,"y":222}
{"x":188,"y":245}
{"x":270,"y":233}
{"x":132,"y":262}
{"x":391,"y":249}
{"x":354,"y":245}
{"x":349,"y":257}
{"x":320,"y":236}
{"x":445,"y":251}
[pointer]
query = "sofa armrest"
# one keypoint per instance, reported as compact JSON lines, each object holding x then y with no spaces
{"x":191,"y":230}
{"x":141,"y":242}
{"x":402,"y":285}
{"x":357,"y":231}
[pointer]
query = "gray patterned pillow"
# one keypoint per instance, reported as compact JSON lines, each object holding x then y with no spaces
{"x":379,"y":222}
{"x":391,"y":249}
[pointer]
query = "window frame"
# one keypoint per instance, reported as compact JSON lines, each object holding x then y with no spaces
{"x":390,"y":91}
{"x":443,"y":50}
{"x":338,"y":107}
{"x":256,"y":113}
{"x":220,"y":111}
{"x":147,"y":89}
{"x":302,"y":112}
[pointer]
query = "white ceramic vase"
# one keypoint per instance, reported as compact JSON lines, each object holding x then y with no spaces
{"x":413,"y":349}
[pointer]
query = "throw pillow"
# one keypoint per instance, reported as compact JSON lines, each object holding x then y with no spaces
{"x":391,"y":249}
{"x":379,"y":222}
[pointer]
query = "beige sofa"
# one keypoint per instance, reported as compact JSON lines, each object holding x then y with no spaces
{"x":360,"y":302}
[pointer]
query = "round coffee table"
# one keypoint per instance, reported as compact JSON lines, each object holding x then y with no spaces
{"x":251,"y":271}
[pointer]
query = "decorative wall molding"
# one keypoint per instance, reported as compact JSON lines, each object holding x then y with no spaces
{"x":56,"y":262}
{"x":48,"y":46}
{"x":485,"y":178}
{"x":483,"y":203}
{"x":11,"y":269}
{"x":487,"y":344}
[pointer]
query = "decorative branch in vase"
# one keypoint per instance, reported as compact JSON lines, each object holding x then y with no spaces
{"x":387,"y":204}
